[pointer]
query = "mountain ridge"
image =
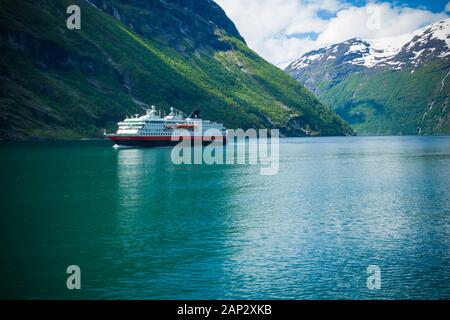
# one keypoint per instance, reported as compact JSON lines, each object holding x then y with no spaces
{"x":394,"y":85}
{"x":60,"y":83}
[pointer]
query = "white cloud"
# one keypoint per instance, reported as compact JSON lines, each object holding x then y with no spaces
{"x":375,"y":21}
{"x":282,"y":30}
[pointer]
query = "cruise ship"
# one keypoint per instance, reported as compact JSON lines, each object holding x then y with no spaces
{"x":155,"y":130}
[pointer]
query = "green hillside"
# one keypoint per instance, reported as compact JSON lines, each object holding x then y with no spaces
{"x":392,"y":86}
{"x":61,"y":83}
{"x":394,"y":102}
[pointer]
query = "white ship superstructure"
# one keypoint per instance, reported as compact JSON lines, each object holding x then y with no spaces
{"x":154,"y":130}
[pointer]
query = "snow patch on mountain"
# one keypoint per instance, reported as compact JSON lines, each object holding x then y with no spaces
{"x":393,"y":52}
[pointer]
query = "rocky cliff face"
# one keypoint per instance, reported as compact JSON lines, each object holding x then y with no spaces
{"x":387,"y":86}
{"x":61,"y":83}
{"x":186,"y":25}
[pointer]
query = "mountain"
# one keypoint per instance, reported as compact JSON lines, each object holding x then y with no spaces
{"x":387,"y":86}
{"x":61,"y":83}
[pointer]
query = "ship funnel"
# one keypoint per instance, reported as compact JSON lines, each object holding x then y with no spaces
{"x":195,"y":114}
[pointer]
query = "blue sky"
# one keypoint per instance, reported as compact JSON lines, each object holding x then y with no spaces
{"x":283,"y":30}
{"x":432,"y":5}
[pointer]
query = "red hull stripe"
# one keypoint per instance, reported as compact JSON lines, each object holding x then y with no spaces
{"x":161,"y":138}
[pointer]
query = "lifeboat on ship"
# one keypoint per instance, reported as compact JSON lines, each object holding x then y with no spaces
{"x":189,"y":126}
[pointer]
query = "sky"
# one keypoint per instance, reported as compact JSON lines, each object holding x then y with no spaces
{"x":283,"y":30}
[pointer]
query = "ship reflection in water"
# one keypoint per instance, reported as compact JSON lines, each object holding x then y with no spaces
{"x":150,"y":229}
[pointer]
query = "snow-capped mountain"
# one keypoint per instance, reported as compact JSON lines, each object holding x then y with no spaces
{"x":412,"y":49}
{"x":396,"y":85}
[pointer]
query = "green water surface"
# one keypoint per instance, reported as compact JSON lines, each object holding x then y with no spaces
{"x":141,"y":227}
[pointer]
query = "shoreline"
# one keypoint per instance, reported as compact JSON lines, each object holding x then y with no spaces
{"x":281,"y":138}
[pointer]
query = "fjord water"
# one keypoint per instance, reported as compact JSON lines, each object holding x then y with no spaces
{"x":141,"y":227}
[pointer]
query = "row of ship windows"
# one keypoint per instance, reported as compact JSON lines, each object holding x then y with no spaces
{"x":172,"y":123}
{"x":147,"y":130}
{"x":152,"y":130}
{"x":157,"y":126}
{"x":140,"y":128}
{"x":161,"y":134}
{"x":154,"y":134}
